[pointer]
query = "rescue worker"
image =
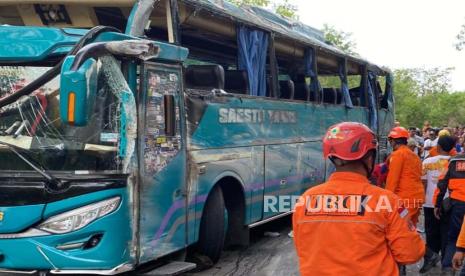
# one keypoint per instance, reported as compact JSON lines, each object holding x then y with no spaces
{"x":457,"y":261}
{"x":347,"y":226}
{"x":453,"y":183}
{"x":404,"y":176}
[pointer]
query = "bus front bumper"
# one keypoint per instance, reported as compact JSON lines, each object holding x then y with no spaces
{"x":117,"y":270}
{"x":68,"y":253}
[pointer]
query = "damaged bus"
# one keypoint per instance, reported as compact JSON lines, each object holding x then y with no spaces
{"x":156,"y":135}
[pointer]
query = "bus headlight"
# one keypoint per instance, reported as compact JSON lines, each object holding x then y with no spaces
{"x":78,"y":218}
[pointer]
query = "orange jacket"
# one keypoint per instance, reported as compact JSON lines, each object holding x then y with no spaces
{"x":454,"y":180}
{"x":404,"y":177}
{"x":461,"y":239}
{"x":434,"y":151}
{"x":334,"y":235}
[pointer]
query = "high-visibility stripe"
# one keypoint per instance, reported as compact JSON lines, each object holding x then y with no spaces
{"x":457,"y":188}
{"x":71,"y":107}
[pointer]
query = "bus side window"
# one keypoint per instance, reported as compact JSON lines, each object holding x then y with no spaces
{"x":381,"y":88}
{"x":332,"y":93}
{"x":286,"y":88}
{"x":302,"y":89}
{"x":355,"y":89}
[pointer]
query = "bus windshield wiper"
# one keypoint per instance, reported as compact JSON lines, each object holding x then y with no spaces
{"x":52,"y":182}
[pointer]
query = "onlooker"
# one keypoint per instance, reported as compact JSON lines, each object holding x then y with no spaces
{"x":459,"y":145}
{"x":424,"y":131}
{"x":432,"y":141}
{"x":419,"y":141}
{"x":413,"y":145}
{"x":433,"y":167}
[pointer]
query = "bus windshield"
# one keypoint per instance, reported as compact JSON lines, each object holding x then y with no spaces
{"x":33,"y":123}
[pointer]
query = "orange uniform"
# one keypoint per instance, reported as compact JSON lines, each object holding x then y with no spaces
{"x":434,"y":152}
{"x":404,"y":179}
{"x":335,"y":235}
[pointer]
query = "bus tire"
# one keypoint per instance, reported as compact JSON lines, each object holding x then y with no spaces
{"x":212,"y":225}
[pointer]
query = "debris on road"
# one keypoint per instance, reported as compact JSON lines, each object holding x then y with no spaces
{"x":271,"y":234}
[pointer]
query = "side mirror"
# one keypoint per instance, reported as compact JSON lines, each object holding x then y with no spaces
{"x":78,"y":90}
{"x":170,"y":115}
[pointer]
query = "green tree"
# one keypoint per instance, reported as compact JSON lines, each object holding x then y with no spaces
{"x":340,"y":39}
{"x":282,"y":7}
{"x":460,"y":39}
{"x":425,"y":94}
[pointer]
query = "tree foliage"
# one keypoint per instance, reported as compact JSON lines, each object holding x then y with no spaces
{"x":284,"y":8}
{"x":425,"y":95}
{"x":460,"y":42}
{"x":340,"y":39}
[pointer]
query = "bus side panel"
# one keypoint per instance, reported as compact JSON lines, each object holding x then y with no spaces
{"x":163,"y":211}
{"x":290,"y":169}
{"x":312,"y":165}
{"x":282,"y":178}
{"x":241,"y":166}
{"x":358,"y":114}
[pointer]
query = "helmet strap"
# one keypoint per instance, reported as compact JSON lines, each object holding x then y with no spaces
{"x":373,"y":161}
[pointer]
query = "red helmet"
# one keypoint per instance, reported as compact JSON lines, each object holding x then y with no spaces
{"x":348,"y":141}
{"x":399,"y":132}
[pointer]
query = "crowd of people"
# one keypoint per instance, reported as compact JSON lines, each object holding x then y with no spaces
{"x":424,"y":172}
{"x":421,"y":141}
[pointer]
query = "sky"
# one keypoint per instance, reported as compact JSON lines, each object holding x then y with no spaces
{"x":396,"y":33}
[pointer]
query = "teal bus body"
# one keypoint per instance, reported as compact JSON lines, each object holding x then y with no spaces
{"x":259,"y":150}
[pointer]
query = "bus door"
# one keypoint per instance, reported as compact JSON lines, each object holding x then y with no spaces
{"x":163,"y":201}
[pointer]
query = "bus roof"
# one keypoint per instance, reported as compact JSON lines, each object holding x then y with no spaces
{"x":291,"y":35}
{"x":285,"y":27}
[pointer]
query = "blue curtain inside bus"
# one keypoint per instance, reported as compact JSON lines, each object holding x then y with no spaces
{"x":252,"y":52}
{"x":310,"y":59}
{"x":388,"y":98}
{"x":344,"y":85}
{"x":373,"y":115}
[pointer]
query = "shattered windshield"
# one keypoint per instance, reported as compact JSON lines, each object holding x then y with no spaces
{"x":33,"y":123}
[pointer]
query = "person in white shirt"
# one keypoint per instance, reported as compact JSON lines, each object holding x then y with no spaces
{"x":433,"y":168}
{"x":432,"y":141}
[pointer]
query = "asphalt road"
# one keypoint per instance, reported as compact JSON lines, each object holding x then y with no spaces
{"x":265,"y":256}
{"x":273,"y":256}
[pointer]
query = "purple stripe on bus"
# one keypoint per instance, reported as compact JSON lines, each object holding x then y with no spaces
{"x":176,"y":205}
{"x":200,"y":199}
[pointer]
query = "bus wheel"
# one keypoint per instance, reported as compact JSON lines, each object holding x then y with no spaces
{"x":212,"y":226}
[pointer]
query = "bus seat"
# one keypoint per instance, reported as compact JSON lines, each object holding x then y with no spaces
{"x":313,"y":96}
{"x":301,"y":92}
{"x":338,"y":96}
{"x":236,"y":81}
{"x":329,"y":95}
{"x":286,"y":89}
{"x":204,"y":77}
{"x":355,"y":95}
